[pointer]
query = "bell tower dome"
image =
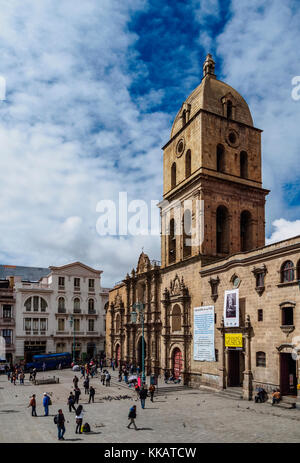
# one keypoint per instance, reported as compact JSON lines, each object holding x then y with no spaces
{"x":212,"y":173}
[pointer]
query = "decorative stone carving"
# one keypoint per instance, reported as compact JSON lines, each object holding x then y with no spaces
{"x":143,"y":263}
{"x":214,"y":283}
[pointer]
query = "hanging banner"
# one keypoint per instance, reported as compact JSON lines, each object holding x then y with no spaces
{"x":233,"y":340}
{"x":204,"y":333}
{"x":231,"y":308}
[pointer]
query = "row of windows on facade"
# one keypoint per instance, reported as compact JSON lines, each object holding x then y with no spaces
{"x":41,"y":324}
{"x":62,"y":324}
{"x":38,"y":304}
{"x":222,"y":233}
{"x":288,"y":272}
{"x":61,"y":283}
{"x":220,"y":164}
{"x":35,"y":324}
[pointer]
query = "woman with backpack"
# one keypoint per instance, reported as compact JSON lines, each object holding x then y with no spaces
{"x":79,"y":419}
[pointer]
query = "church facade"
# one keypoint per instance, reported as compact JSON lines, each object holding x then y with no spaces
{"x":213,"y":241}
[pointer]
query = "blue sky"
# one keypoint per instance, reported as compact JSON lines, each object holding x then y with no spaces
{"x":92,"y":91}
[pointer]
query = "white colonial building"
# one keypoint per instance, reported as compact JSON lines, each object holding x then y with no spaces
{"x":62,"y":304}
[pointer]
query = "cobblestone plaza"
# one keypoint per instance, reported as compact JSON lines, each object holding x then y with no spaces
{"x":175,"y":416}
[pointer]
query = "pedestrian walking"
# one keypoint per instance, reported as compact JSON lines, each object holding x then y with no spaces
{"x":75,"y":381}
{"x":79,"y":418}
{"x":34,"y":374}
{"x":132,"y":417}
{"x":32,"y":404}
{"x":92,"y":394}
{"x":59,"y":420}
{"x":71,"y":401}
{"x":44,"y":367}
{"x":22,"y":377}
{"x":77,"y":393}
{"x":143,"y":396}
{"x":137,"y":390}
{"x":46,"y":403}
{"x":126,"y":376}
{"x":107,"y":379}
{"x":151,"y":390}
{"x":82,"y":371}
{"x":103,"y":377}
{"x":13,"y":378}
{"x":86,"y":385}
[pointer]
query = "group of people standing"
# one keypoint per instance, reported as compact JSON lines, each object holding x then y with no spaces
{"x":15,"y":373}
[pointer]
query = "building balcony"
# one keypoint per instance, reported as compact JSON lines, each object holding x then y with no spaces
{"x":61,"y":288}
{"x":61,"y":310}
{"x":77,"y":311}
{"x":9,"y":347}
{"x":77,"y":289}
{"x":92,"y":333}
{"x":7,"y":321}
{"x":35,"y":333}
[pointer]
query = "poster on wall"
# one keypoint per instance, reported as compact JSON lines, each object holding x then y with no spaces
{"x":231,"y":308}
{"x":204,"y":333}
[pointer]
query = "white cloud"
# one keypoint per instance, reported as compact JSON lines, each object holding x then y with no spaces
{"x":284,"y":229}
{"x":70,"y":132}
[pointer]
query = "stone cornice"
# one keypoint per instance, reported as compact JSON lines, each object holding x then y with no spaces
{"x":184,"y":185}
{"x":254,"y":258}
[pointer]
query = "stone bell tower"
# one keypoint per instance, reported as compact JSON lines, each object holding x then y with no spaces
{"x":213,"y":201}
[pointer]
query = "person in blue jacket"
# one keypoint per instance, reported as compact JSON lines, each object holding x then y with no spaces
{"x":46,"y":403}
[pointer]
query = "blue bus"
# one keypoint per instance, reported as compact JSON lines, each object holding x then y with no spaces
{"x":52,"y":361}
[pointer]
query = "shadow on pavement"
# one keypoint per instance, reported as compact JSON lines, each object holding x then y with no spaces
{"x":9,"y":411}
{"x":144,"y":429}
{"x":73,"y":440}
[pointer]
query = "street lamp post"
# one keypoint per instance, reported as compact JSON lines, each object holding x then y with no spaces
{"x":140,"y":307}
{"x":72,"y":322}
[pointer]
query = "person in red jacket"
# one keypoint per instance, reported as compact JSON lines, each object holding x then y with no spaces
{"x":32,"y":404}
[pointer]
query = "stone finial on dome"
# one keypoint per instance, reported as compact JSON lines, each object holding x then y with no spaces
{"x":209,"y":66}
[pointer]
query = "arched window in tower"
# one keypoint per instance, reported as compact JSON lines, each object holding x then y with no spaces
{"x":176,"y":318}
{"x":172,"y":242}
{"x":173,"y":175}
{"x":220,"y":158}
{"x":222,"y":225}
{"x":188,"y":165}
{"x":183,"y":118}
{"x":246,"y":231}
{"x":244,"y":164}
{"x":229,"y":109}
{"x":187,"y":233}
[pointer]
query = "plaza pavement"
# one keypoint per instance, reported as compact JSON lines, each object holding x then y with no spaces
{"x":186,"y":416}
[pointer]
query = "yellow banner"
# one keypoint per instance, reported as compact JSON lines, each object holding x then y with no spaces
{"x":233,"y":340}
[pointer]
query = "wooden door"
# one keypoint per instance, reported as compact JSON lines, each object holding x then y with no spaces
{"x":177,"y":363}
{"x":234,"y":368}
